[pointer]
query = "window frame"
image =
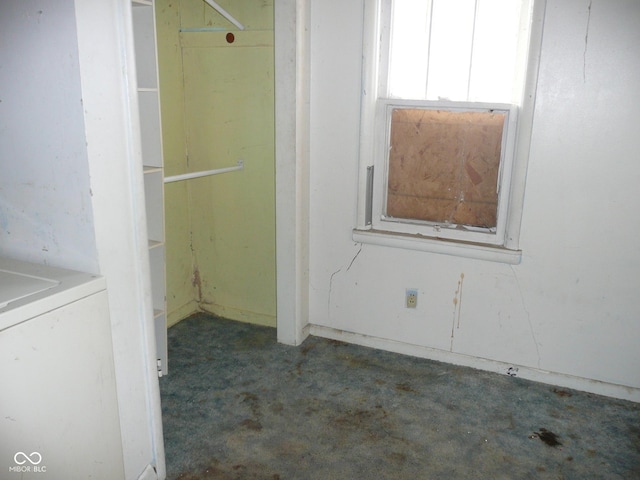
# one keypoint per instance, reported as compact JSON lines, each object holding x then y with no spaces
{"x":441,"y":230}
{"x":371,"y":226}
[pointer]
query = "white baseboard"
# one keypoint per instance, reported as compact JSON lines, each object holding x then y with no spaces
{"x":536,"y":375}
{"x":149,"y":473}
{"x":246,"y":316}
{"x":176,"y":315}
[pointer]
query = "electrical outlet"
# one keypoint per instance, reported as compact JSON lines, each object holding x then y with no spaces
{"x":411,"y":298}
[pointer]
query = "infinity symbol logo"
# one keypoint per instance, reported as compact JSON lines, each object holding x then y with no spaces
{"x":35,"y":458}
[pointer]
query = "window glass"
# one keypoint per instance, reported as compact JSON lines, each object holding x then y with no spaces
{"x":463,"y":50}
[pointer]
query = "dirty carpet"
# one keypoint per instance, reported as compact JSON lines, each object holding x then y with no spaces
{"x":238,"y":405}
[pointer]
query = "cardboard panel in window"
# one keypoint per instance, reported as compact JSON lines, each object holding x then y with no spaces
{"x":444,"y":166}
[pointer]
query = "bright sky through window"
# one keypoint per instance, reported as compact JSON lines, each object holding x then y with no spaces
{"x":459,"y":50}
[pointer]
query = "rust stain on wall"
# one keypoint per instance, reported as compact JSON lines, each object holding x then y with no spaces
{"x":457,"y":304}
{"x":197,"y":282}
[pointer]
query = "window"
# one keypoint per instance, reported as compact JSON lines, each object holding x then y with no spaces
{"x":443,"y":165}
{"x":447,"y":110}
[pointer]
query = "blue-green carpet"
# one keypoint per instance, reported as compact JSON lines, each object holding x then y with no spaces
{"x":238,"y":405}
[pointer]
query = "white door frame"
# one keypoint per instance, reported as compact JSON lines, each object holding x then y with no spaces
{"x":106,"y":60}
{"x":292,"y":68}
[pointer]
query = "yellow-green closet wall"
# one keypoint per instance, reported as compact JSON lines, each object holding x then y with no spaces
{"x":218,"y":107}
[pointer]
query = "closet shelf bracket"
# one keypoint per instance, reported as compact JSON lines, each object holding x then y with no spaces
{"x":204,"y":173}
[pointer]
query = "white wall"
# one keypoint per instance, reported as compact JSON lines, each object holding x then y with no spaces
{"x":570,"y":312}
{"x":45,"y":197}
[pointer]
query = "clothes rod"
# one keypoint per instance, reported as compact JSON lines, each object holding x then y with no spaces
{"x":225,"y":14}
{"x":204,"y":173}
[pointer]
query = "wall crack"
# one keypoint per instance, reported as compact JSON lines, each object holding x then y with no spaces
{"x":354,"y":258}
{"x":586,"y":44}
{"x":526,"y":311}
{"x":457,"y":305}
{"x":331,"y":291}
{"x":334,"y":274}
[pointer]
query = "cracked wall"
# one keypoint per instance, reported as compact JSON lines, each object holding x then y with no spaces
{"x":570,"y":308}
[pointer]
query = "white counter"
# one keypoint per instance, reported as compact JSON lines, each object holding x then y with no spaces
{"x":28,"y":289}
{"x":58,"y":403}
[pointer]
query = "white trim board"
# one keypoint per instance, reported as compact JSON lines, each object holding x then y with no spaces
{"x":551,"y":378}
{"x":292,"y":74}
{"x":149,"y":473}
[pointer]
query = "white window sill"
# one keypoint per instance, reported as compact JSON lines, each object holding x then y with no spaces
{"x":433,"y":245}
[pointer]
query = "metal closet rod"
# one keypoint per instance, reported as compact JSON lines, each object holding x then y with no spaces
{"x":225,"y":14}
{"x":204,"y":173}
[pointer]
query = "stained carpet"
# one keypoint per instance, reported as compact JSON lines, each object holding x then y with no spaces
{"x":238,"y":405}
